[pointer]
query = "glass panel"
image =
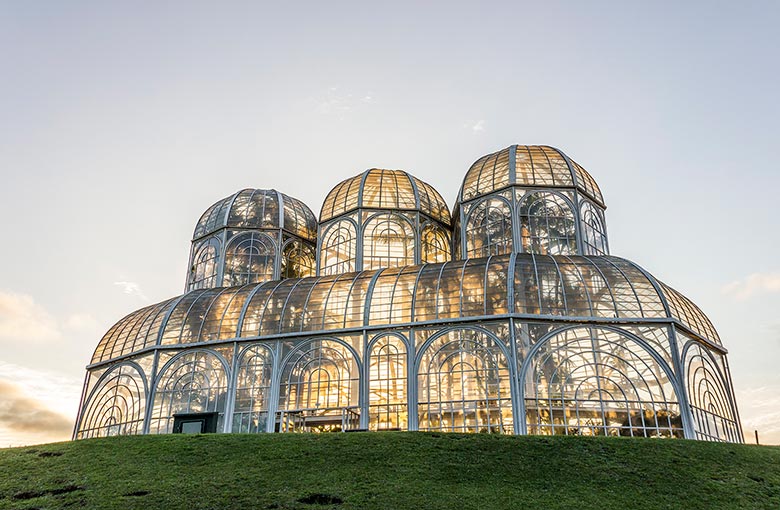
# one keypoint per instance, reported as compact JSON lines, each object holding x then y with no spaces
{"x":388,"y":241}
{"x":464,"y":385}
{"x":594,"y":236}
{"x":253,"y":388}
{"x":434,"y":245}
{"x":690,"y":315}
{"x":489,"y":229}
{"x":204,"y":264}
{"x":195,"y":382}
{"x":595,"y":382}
{"x":255,"y":208}
{"x":712,"y":404}
{"x":319,"y":389}
{"x":339,"y":248}
{"x":298,"y":260}
{"x":250,"y":257}
{"x":388,"y":397}
{"x":298,"y":218}
{"x":117,"y":407}
{"x":547,"y":225}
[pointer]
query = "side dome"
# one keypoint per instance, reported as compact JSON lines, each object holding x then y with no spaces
{"x":527,"y":165}
{"x":251,"y":236}
{"x":258,"y":208}
{"x":385,"y":189}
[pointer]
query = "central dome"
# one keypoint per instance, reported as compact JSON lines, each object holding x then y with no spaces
{"x":384,"y":189}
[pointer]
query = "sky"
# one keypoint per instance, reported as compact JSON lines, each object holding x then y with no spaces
{"x":120,"y":123}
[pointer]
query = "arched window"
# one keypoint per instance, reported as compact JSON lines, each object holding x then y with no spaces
{"x":594,"y":234}
{"x":489,"y":229}
{"x":387,"y":384}
{"x":249,"y":258}
{"x":464,"y":385}
{"x":598,"y":382}
{"x":117,"y":405}
{"x":338,"y":248}
{"x":711,"y":405}
{"x":298,"y":260}
{"x":434,"y":244}
{"x":194,"y":382}
{"x":319,"y":388}
{"x":203,"y":270}
{"x":547,"y":225}
{"x":388,"y":241}
{"x":253,"y":388}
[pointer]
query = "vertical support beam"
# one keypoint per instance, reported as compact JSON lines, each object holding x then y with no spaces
{"x":230,"y":404}
{"x":578,"y":224}
{"x":363,"y":383}
{"x":518,"y":413}
{"x":682,"y":397}
{"x":276,"y":376}
{"x":152,"y":379}
{"x":411,"y":377}
{"x":359,"y":240}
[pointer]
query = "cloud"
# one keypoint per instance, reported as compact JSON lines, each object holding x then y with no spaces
{"x":759,"y":408}
{"x":21,"y":412}
{"x":754,"y":284}
{"x":36,"y":406}
{"x":21,"y":318}
{"x":133,"y":289}
{"x":479,"y":126}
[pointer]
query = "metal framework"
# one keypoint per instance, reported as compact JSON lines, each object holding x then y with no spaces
{"x":537,"y":331}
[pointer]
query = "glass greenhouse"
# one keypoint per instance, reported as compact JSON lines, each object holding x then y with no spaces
{"x":389,"y":313}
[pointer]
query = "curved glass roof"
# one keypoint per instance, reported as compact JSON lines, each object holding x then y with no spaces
{"x":259,"y":208}
{"x":385,"y":189}
{"x":541,"y":287}
{"x":527,"y":165}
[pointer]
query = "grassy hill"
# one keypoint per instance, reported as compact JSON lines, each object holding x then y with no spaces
{"x":392,"y":470}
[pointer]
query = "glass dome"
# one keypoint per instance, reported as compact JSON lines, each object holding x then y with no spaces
{"x":527,"y":165}
{"x":258,"y":209}
{"x":385,"y":189}
{"x":382,"y":218}
{"x":253,"y":235}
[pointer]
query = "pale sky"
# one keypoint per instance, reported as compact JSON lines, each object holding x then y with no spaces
{"x":120,"y":124}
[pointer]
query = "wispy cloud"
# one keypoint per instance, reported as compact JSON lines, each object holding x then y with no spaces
{"x":752,"y":285}
{"x":478,"y":126}
{"x":21,"y":318}
{"x":133,"y":289}
{"x":337,"y":102}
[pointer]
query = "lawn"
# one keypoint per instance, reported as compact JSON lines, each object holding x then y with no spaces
{"x":393,"y":470}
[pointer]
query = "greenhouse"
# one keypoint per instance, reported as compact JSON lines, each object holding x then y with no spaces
{"x":390,"y":313}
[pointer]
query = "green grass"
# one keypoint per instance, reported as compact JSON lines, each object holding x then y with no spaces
{"x":394,"y":470}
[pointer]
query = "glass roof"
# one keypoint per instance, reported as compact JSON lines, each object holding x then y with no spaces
{"x":527,"y":165}
{"x":542,"y":287}
{"x":385,"y":189}
{"x":259,"y":208}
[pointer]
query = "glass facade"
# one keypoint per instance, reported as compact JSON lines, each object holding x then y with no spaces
{"x":373,"y":320}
